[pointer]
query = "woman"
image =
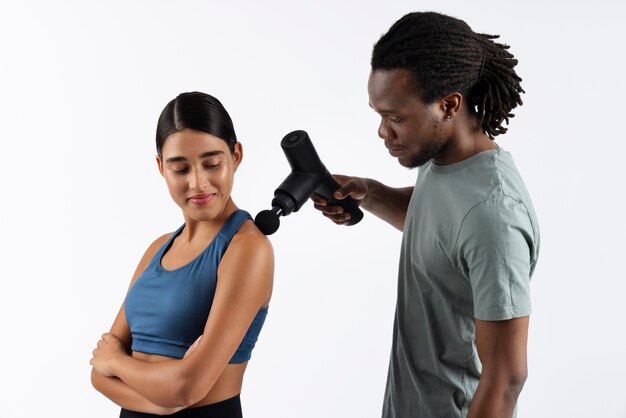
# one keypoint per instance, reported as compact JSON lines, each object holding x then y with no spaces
{"x":198,"y":299}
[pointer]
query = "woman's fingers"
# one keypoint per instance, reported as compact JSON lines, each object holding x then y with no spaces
{"x":193,"y":347}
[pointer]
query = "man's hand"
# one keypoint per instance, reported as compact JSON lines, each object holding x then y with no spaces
{"x":353,"y":187}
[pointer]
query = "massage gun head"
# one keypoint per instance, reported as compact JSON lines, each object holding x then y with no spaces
{"x":267,"y":221}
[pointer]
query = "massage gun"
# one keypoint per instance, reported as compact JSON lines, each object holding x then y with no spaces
{"x":308,"y":175}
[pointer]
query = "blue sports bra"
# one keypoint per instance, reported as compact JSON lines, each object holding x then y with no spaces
{"x":167,"y":310}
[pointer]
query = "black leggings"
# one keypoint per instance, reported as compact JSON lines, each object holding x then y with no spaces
{"x":230,"y":408}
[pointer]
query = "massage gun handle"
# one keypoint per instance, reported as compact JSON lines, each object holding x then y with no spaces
{"x":326,"y":189}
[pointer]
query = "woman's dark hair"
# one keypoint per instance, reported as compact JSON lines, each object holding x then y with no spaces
{"x":198,"y":111}
{"x":445,"y":55}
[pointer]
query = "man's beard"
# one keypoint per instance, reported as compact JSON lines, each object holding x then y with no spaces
{"x":427,"y":154}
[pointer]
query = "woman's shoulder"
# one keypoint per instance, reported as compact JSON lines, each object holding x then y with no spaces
{"x":248,"y":239}
{"x":149,"y":255}
{"x":249,"y":235}
{"x":158,"y":243}
{"x":249,"y":260}
{"x":153,"y":248}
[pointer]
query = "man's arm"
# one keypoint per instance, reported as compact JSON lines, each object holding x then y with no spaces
{"x":502,"y":350}
{"x":388,"y":203}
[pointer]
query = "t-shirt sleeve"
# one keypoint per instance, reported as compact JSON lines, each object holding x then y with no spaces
{"x":496,"y":252}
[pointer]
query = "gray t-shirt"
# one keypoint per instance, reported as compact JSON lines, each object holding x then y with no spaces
{"x":469,"y":248}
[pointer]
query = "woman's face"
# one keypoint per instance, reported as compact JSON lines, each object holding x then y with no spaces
{"x":199,"y":171}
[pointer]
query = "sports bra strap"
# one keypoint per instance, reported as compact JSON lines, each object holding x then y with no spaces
{"x":232,"y":225}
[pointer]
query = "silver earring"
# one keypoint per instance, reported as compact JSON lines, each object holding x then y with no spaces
{"x":448,"y":118}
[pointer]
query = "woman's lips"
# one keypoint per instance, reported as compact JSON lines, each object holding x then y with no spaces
{"x":201,"y":199}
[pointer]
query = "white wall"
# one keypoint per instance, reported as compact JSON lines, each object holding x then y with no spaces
{"x":81,"y":87}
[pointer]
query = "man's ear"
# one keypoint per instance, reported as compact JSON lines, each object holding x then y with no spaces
{"x":451,"y":104}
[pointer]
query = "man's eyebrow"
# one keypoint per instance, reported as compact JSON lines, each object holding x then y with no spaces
{"x":383,"y":111}
{"x":203,"y":155}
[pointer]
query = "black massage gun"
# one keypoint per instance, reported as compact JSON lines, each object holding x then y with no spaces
{"x":308,"y":175}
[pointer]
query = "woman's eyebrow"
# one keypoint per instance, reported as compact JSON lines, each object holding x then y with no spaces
{"x":210,"y":154}
{"x":203,"y":155}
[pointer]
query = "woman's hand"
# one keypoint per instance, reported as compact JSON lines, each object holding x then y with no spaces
{"x":107,"y":349}
{"x":193,"y":347}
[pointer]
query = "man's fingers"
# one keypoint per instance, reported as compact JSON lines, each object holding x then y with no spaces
{"x":352,"y":187}
{"x":328,"y":210}
{"x":349,"y":188}
{"x":344,"y":191}
{"x":318,"y":200}
{"x":339,"y":219}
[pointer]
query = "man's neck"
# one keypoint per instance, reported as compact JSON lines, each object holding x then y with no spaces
{"x":465,"y":141}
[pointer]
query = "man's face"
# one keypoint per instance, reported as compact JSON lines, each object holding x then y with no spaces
{"x":410,"y":128}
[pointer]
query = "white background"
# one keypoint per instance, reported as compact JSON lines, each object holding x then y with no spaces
{"x":82,"y":84}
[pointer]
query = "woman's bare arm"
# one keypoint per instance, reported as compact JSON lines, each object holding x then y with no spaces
{"x":120,"y":393}
{"x":244,"y":285}
{"x":114,"y":388}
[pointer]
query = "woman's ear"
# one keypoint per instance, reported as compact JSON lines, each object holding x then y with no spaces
{"x":159,"y":164}
{"x":237,"y":154}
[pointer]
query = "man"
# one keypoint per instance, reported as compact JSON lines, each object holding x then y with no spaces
{"x":470,"y":235}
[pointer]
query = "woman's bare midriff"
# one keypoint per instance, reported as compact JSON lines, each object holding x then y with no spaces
{"x":227,"y":385}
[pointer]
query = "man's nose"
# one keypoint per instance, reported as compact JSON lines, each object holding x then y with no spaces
{"x":384,"y":131}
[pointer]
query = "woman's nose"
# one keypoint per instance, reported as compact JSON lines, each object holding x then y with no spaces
{"x":197,"y":181}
